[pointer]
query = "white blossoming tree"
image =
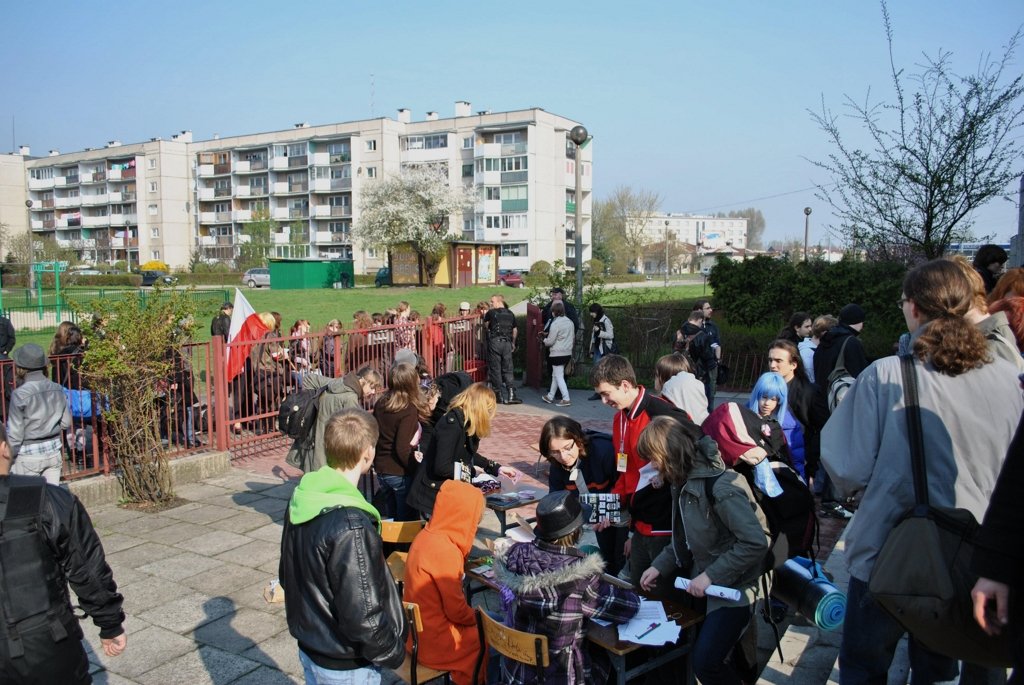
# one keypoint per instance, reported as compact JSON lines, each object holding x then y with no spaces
{"x":413,"y":208}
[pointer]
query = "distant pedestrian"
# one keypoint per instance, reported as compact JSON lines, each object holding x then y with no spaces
{"x":502,"y":334}
{"x":559,"y":341}
{"x":715,"y":341}
{"x":798,"y":328}
{"x":221,"y":324}
{"x":37,"y":417}
{"x":989,"y":261}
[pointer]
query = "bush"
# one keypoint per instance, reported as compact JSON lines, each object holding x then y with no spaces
{"x":128,"y":280}
{"x":155,"y":265}
{"x":541,"y":268}
{"x":764,"y":292}
{"x":209,"y":278}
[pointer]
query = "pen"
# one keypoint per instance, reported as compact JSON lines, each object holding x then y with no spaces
{"x":649,"y":629}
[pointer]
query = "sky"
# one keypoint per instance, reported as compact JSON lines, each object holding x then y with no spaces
{"x":706,"y":104}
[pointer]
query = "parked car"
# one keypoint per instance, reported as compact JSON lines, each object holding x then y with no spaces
{"x":383,"y":276}
{"x":154,"y":277}
{"x":513,"y":279}
{"x":257,"y":278}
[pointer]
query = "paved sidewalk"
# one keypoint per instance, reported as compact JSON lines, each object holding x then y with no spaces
{"x":193,"y":576}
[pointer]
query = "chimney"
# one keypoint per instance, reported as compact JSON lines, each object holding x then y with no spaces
{"x":54,"y":153}
{"x":404,"y":115}
{"x":302,"y":124}
{"x":24,"y":150}
{"x":463,"y":109}
{"x":183,"y":137}
{"x":113,"y":143}
{"x":483,"y":112}
{"x":431,"y":116}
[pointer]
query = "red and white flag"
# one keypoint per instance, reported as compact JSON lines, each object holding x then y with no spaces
{"x":245,"y":327}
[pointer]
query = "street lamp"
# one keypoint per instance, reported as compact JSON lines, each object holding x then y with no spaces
{"x":578,"y":135}
{"x":807,"y":228}
{"x":666,"y":253}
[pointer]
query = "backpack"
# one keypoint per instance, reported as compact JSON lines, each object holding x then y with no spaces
{"x":839,"y":381}
{"x":297,"y":415}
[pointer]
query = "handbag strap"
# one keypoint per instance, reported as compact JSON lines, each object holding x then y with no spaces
{"x":914,"y":431}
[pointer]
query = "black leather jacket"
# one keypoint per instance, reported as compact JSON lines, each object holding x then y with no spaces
{"x":70,"y":534}
{"x":352,"y":616}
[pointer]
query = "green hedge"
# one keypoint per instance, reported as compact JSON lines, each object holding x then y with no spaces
{"x":209,"y":278}
{"x":762,"y":293}
{"x":128,"y":280}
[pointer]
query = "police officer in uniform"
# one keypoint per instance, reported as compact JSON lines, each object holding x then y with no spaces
{"x":46,"y":542}
{"x":501,"y":341}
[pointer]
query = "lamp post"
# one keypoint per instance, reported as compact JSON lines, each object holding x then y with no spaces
{"x":666,"y":253}
{"x":807,"y":229}
{"x":578,"y":135}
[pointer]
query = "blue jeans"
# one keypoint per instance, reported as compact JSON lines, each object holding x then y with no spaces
{"x":598,"y":353}
{"x":317,"y":675}
{"x":870,"y":637}
{"x":395,"y":489}
{"x":719,"y":633}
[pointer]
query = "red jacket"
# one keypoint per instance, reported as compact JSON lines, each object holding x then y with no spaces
{"x":651,"y":510}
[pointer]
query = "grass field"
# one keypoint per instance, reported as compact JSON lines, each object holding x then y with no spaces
{"x":320,"y":306}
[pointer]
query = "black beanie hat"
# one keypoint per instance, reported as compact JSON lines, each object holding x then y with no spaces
{"x":851,"y":314}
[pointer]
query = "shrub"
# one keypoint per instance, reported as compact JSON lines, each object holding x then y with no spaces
{"x":540,"y":268}
{"x":155,"y":265}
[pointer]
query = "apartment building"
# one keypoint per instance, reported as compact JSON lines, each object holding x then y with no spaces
{"x":308,"y":180}
{"x":163,"y":199}
{"x":13,"y":194}
{"x":706,"y":232}
{"x":117,"y":203}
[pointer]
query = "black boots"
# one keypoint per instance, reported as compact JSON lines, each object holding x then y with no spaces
{"x":512,"y":398}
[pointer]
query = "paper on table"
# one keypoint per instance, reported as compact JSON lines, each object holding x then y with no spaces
{"x":712,"y":591}
{"x":663,"y":634}
{"x":639,"y":629}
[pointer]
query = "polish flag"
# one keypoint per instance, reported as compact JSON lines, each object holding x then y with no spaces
{"x":245,"y":327}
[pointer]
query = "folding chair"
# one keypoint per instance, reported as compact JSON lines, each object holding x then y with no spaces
{"x":399,"y":532}
{"x":527,"y":648}
{"x":410,"y":671}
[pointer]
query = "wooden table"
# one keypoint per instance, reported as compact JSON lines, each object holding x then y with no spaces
{"x":607,"y":637}
{"x":500,"y":509}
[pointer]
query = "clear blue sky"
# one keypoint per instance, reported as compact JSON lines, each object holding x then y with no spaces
{"x":704,"y":103}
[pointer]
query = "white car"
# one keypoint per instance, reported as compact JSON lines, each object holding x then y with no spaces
{"x":257,"y":278}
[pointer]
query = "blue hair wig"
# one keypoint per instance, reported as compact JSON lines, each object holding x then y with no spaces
{"x":770,"y":386}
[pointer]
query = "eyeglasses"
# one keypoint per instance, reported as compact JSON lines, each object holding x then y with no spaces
{"x":554,"y":452}
{"x":900,"y":302}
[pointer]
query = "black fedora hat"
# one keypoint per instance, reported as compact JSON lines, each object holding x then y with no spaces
{"x":559,"y":514}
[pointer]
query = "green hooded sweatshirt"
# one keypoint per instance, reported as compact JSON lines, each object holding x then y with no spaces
{"x":325,"y":489}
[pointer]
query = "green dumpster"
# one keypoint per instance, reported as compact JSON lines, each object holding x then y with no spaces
{"x":306,"y":274}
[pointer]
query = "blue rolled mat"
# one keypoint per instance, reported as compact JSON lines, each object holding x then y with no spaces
{"x":801,"y":584}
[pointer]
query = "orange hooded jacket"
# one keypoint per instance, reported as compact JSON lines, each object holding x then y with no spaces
{"x":433,"y":579}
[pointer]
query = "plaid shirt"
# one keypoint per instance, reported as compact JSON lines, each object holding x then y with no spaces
{"x":550,"y":591}
{"x":40,"y":449}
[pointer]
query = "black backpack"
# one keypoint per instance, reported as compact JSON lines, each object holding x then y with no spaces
{"x":297,"y":415}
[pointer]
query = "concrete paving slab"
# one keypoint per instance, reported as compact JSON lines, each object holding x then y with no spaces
{"x":241,"y":630}
{"x":180,"y":566}
{"x":282,"y":491}
{"x":213,"y":542}
{"x":280,"y":652}
{"x":232,"y":499}
{"x":177,"y":512}
{"x":270,"y":532}
{"x":104,"y":518}
{"x":149,"y":593}
{"x":142,"y":524}
{"x":149,"y":649}
{"x":244,"y":520}
{"x":270,"y":506}
{"x":188,"y":612}
{"x":225,"y":579}
{"x":125,"y":576}
{"x":181,"y":530}
{"x":103,"y":677}
{"x":252,"y":596}
{"x":200,"y":491}
{"x":264,"y":675}
{"x":204,"y":666}
{"x":115,"y":542}
{"x":204,"y":513}
{"x":140,"y":555}
{"x":254,"y":554}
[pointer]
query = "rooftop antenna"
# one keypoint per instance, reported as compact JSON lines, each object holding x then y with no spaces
{"x":14,"y":146}
{"x":373,"y":89}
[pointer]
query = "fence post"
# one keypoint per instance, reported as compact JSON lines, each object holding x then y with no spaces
{"x":339,"y":361}
{"x":220,"y":391}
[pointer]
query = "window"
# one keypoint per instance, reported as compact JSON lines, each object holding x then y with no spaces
{"x":153,"y":210}
{"x":513,"y":192}
{"x":217,"y":207}
{"x":257,"y":205}
{"x":371,"y":172}
{"x":514,"y":250}
{"x":432,"y":142}
{"x":152,"y":186}
{"x":513,"y":163}
{"x":155,"y":254}
{"x":219,"y":184}
{"x":371,"y":253}
{"x":511,"y":137}
{"x":40,"y":174}
{"x":467,"y":143}
{"x":371,"y":145}
{"x":154,"y":232}
{"x":467,"y":170}
{"x":296,"y":150}
{"x":492,"y":193}
{"x":338,"y":148}
{"x":492,"y":222}
{"x":338,"y":201}
{"x":152,"y":162}
{"x":339,"y":227}
{"x":513,"y":221}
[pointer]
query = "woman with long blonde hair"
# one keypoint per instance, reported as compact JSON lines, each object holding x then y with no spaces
{"x":453,"y":452}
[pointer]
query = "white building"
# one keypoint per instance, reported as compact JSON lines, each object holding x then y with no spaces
{"x":163,"y":199}
{"x":706,"y":232}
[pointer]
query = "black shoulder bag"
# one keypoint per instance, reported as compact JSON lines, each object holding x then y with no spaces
{"x":922,"y":575}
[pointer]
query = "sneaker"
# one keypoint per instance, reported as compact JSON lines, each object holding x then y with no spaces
{"x":547,"y":398}
{"x":593,"y":397}
{"x":834,"y":510}
{"x":563,"y":403}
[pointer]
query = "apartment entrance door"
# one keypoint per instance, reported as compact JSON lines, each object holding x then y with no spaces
{"x":464,"y":265}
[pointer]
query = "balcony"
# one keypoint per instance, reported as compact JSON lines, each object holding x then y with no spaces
{"x":92,"y":200}
{"x":48,"y":203}
{"x":117,"y":219}
{"x":257,"y":190}
{"x":95,"y":221}
{"x":70,"y":180}
{"x":242,"y":167}
{"x":205,"y":193}
{"x":298,"y":212}
{"x":279,"y":187}
{"x":114,"y":197}
{"x":298,"y":187}
{"x":340,"y":158}
{"x":37,"y":225}
{"x":510,"y":149}
{"x":487,"y":150}
{"x":279,"y":213}
{"x":40,"y":183}
{"x":121,"y":174}
{"x":206,"y":241}
{"x":341,"y":237}
{"x":296,"y":162}
{"x":128,"y":196}
{"x":241,"y":215}
{"x":67,"y":201}
{"x":49,"y":223}
{"x":258,"y":165}
{"x":222,"y":192}
{"x":224,"y":240}
{"x":278,"y":163}
{"x":487,"y":178}
{"x":570,"y":207}
{"x":241,"y":191}
{"x":205,"y":170}
{"x":95,"y":177}
{"x":515,"y":205}
{"x":514,"y":176}
{"x":221,"y":169}
{"x":280,"y":238}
